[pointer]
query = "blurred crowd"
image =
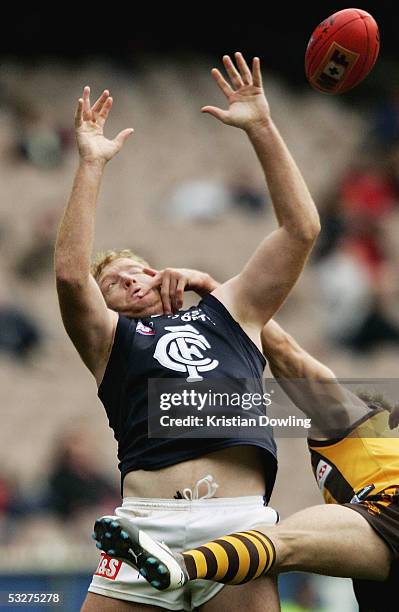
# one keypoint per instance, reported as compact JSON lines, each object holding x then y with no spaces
{"x":74,"y":484}
{"x":201,"y":204}
{"x":356,"y":257}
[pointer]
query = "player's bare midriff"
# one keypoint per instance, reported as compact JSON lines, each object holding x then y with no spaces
{"x":239,"y":471}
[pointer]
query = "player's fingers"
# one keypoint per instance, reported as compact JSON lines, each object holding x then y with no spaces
{"x":172,"y":293}
{"x":150,"y":271}
{"x":79,"y":113}
{"x":86,"y":104}
{"x":243,"y":68}
{"x":97,"y":106}
{"x":232,"y":71}
{"x":216,"y":112}
{"x":156,"y":281}
{"x":221,"y":82}
{"x":256,"y":73}
{"x":181,"y":285}
{"x":104,"y":111}
{"x":165,"y":295}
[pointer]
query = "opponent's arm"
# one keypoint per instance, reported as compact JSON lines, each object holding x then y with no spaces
{"x":259,"y":290}
{"x":310,"y":384}
{"x":87,"y":320}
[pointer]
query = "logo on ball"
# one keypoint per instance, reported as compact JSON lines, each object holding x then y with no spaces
{"x":335,"y":67}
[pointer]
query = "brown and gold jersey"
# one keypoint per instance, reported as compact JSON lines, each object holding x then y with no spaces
{"x":368,"y":455}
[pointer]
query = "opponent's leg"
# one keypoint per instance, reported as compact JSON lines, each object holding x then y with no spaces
{"x":232,"y":559}
{"x":331,"y":540}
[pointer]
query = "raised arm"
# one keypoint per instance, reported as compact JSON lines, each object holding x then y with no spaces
{"x":87,"y":320}
{"x":259,"y":290}
{"x":310,"y":384}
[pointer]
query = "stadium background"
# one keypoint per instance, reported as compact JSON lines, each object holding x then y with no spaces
{"x":185,"y":191}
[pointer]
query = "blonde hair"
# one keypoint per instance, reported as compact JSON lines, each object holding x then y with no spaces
{"x":106,"y":257}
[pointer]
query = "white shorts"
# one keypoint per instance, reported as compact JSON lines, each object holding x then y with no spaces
{"x":182,"y":525}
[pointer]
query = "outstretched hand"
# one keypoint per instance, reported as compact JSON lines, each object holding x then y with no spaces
{"x":89,"y":126}
{"x":247,"y":102}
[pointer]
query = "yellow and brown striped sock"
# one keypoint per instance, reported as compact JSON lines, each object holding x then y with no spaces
{"x":232,"y":559}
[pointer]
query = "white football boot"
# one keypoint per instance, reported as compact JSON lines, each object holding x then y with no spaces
{"x":121,"y":539}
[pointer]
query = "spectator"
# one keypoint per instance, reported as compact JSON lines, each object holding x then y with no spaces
{"x":353,"y":313}
{"x":246,"y":195}
{"x":38,"y":141}
{"x":199,"y":200}
{"x":386,"y":121}
{"x":19,"y":334}
{"x":75,"y":482}
{"x":37,"y":260}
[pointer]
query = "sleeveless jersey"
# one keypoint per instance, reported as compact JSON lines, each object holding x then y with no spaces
{"x":202,"y":341}
{"x":368,"y":455}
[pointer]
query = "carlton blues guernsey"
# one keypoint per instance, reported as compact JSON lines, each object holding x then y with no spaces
{"x":203,"y":341}
{"x":367,"y":458}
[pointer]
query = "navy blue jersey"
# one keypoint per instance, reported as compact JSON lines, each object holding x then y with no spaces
{"x":201,"y":342}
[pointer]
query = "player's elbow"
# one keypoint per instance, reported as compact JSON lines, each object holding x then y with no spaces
{"x":326,"y":374}
{"x":309,"y":232}
{"x":306,"y":227}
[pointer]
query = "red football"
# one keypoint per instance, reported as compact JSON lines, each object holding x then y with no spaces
{"x":341,"y":51}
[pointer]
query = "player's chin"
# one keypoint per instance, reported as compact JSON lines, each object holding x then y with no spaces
{"x":141,"y":307}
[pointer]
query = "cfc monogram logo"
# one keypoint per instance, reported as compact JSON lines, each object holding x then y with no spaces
{"x":181,"y":350}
